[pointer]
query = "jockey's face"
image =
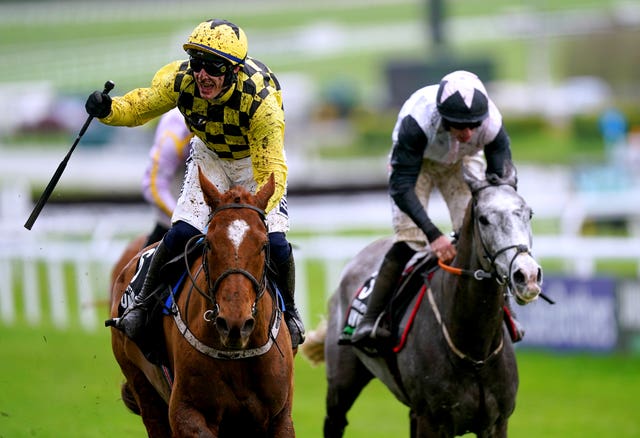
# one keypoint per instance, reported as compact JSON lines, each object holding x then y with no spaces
{"x":210,"y":75}
{"x":462,"y":131}
{"x":209,"y":86}
{"x":462,"y":135}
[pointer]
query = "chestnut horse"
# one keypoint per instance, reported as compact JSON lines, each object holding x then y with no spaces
{"x":456,"y":370}
{"x":229,"y":359}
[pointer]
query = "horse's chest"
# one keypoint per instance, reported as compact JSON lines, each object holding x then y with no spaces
{"x":469,"y":402}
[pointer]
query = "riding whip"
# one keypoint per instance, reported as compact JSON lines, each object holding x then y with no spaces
{"x":108,"y":86}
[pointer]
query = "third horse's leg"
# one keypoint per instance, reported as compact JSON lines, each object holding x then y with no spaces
{"x":346,"y":378}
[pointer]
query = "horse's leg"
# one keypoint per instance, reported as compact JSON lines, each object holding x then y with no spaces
{"x":498,"y":430}
{"x":501,"y":429}
{"x":413,"y":424}
{"x":138,"y":392}
{"x":346,"y":377}
{"x":282,"y":425}
{"x":424,"y":428}
{"x":129,"y":399}
{"x":189,"y":422}
{"x":153,"y":409}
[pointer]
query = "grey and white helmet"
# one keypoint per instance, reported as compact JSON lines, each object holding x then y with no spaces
{"x":462,"y":98}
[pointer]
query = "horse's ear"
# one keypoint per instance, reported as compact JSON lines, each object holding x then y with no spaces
{"x":509,"y":177}
{"x":510,"y":174}
{"x":265,"y":193}
{"x":209,"y":190}
{"x":473,"y":181}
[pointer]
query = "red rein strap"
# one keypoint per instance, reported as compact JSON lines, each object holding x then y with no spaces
{"x":403,"y":338}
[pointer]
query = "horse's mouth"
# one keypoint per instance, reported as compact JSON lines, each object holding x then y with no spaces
{"x":527,"y":294}
{"x":526,"y":284}
{"x":521,"y":301}
{"x":234,"y":336}
{"x":235,"y":343}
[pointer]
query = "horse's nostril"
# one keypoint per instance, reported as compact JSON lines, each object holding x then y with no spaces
{"x":518,"y":277}
{"x":247,"y":328}
{"x":222,"y":325}
{"x":539,"y":276}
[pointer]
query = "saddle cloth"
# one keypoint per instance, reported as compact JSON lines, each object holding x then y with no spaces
{"x":413,"y":281}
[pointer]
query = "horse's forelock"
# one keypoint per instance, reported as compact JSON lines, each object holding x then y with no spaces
{"x":236,"y":195}
{"x":507,"y":180}
{"x":493,"y":180}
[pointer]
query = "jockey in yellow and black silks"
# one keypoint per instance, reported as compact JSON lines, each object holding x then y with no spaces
{"x":233,"y":105}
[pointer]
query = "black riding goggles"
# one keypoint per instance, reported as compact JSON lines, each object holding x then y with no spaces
{"x":211,"y":67}
{"x":461,"y":126}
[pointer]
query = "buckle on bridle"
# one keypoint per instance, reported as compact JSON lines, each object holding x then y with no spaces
{"x":481,"y":275}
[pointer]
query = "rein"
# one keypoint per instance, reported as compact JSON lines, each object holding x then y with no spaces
{"x":479,"y":275}
{"x":452,"y":346}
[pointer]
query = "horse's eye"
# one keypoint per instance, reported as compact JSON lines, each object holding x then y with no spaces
{"x":530,"y":214}
{"x":483,"y":220}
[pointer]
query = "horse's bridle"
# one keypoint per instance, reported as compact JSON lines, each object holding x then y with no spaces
{"x":481,"y":274}
{"x":259,"y":287}
{"x":209,"y":315}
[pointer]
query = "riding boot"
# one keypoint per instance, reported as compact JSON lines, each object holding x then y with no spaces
{"x":134,"y":320}
{"x":368,"y":334}
{"x":516,"y":329}
{"x":286,"y":282}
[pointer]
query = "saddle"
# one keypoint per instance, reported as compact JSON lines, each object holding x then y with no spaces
{"x":412,"y":282}
{"x":173,"y":273}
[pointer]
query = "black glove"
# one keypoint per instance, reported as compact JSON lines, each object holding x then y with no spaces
{"x":98,"y":104}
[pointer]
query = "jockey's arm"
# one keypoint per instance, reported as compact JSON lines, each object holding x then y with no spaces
{"x":141,"y":105}
{"x":266,"y":141}
{"x":406,"y":162}
{"x":497,"y":152}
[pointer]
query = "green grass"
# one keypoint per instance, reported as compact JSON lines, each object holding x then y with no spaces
{"x":63,"y":383}
{"x":577,"y":396}
{"x":60,"y":384}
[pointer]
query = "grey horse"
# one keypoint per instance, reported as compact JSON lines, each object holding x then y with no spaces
{"x":457,"y":371}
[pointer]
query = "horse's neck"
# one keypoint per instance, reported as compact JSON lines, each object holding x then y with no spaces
{"x":473,"y":309}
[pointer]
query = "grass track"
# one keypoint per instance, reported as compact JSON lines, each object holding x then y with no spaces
{"x":58,"y":383}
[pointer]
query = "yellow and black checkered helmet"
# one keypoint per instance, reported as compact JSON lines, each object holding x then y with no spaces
{"x":219,"y":38}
